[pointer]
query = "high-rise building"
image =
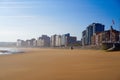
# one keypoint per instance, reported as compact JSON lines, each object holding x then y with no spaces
{"x":43,"y":41}
{"x":20,"y":43}
{"x":34,"y":43}
{"x":71,"y":40}
{"x":84,"y":38}
{"x":64,"y":39}
{"x":90,"y":31}
{"x":29,"y":43}
{"x":67,"y":40}
{"x":58,"y":40}
{"x":108,"y":36}
{"x":40,"y":42}
{"x":53,"y":40}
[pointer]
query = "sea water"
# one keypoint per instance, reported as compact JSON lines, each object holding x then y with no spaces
{"x":6,"y":51}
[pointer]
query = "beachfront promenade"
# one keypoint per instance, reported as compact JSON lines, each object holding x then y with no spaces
{"x":60,"y":64}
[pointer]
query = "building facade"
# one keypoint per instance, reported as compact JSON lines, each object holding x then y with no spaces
{"x":64,"y":39}
{"x":90,"y":31}
{"x":43,"y":41}
{"x":58,"y":40}
{"x":53,"y":40}
{"x":71,"y":40}
{"x":20,"y":43}
{"x":108,"y":36}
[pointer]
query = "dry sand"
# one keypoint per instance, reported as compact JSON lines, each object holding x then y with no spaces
{"x":60,"y":64}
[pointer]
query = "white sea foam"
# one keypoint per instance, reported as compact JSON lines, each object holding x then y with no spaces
{"x":6,"y":51}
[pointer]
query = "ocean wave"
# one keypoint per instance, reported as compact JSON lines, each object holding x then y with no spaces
{"x":4,"y":51}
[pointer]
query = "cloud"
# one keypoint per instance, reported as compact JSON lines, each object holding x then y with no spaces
{"x":20,"y":4}
{"x":26,"y":4}
{"x":14,"y":5}
{"x":21,"y":16}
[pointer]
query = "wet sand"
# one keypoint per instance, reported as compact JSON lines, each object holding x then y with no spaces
{"x":60,"y":64}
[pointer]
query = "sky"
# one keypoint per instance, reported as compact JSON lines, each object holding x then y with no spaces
{"x":26,"y":19}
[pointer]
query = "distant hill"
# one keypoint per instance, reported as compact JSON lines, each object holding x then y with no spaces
{"x":7,"y":44}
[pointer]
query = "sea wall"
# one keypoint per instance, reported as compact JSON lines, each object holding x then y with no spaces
{"x":106,"y":46}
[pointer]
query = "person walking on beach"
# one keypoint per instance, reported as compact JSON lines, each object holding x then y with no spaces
{"x":71,"y":47}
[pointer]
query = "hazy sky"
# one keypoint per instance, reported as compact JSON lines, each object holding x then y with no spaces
{"x":25,"y":19}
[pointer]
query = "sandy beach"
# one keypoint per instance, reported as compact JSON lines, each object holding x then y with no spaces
{"x":60,"y":64}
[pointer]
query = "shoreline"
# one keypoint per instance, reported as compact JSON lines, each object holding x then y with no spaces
{"x":8,"y":51}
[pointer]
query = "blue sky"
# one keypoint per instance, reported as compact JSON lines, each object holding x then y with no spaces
{"x":25,"y":19}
